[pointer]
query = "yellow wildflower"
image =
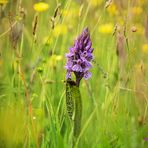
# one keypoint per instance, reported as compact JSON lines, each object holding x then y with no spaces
{"x":60,"y":29}
{"x":140,"y":29}
{"x":112,"y":9}
{"x":73,"y":12}
{"x":141,"y":2}
{"x":40,"y":6}
{"x":106,"y":28}
{"x":3,"y":2}
{"x":47,"y":40}
{"x":54,"y":59}
{"x":137,"y":10}
{"x":120,"y":20}
{"x":145,"y":48}
{"x":95,"y":2}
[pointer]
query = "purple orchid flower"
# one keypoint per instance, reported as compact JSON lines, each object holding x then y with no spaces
{"x":79,"y":57}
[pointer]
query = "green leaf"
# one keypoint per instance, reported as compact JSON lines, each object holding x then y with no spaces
{"x":74,"y":105}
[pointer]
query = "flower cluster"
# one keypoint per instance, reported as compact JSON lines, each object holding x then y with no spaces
{"x":80,"y":56}
{"x":40,"y":6}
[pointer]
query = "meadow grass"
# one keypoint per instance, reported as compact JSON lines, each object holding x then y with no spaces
{"x":32,"y":75}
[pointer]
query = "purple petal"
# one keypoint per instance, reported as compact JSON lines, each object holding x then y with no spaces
{"x":91,"y":50}
{"x":69,"y":55}
{"x":76,"y":47}
{"x":69,"y":65}
{"x":86,"y":40}
{"x":83,"y":58}
{"x":79,"y":62}
{"x":87,"y":75}
{"x":84,"y":54}
{"x":86,"y":30}
{"x":73,"y":50}
{"x":88,"y":46}
{"x":77,"y":68}
{"x":88,"y":64}
{"x":89,"y":56}
{"x":68,"y":74}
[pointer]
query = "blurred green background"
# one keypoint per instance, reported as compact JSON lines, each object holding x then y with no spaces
{"x":34,"y":37}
